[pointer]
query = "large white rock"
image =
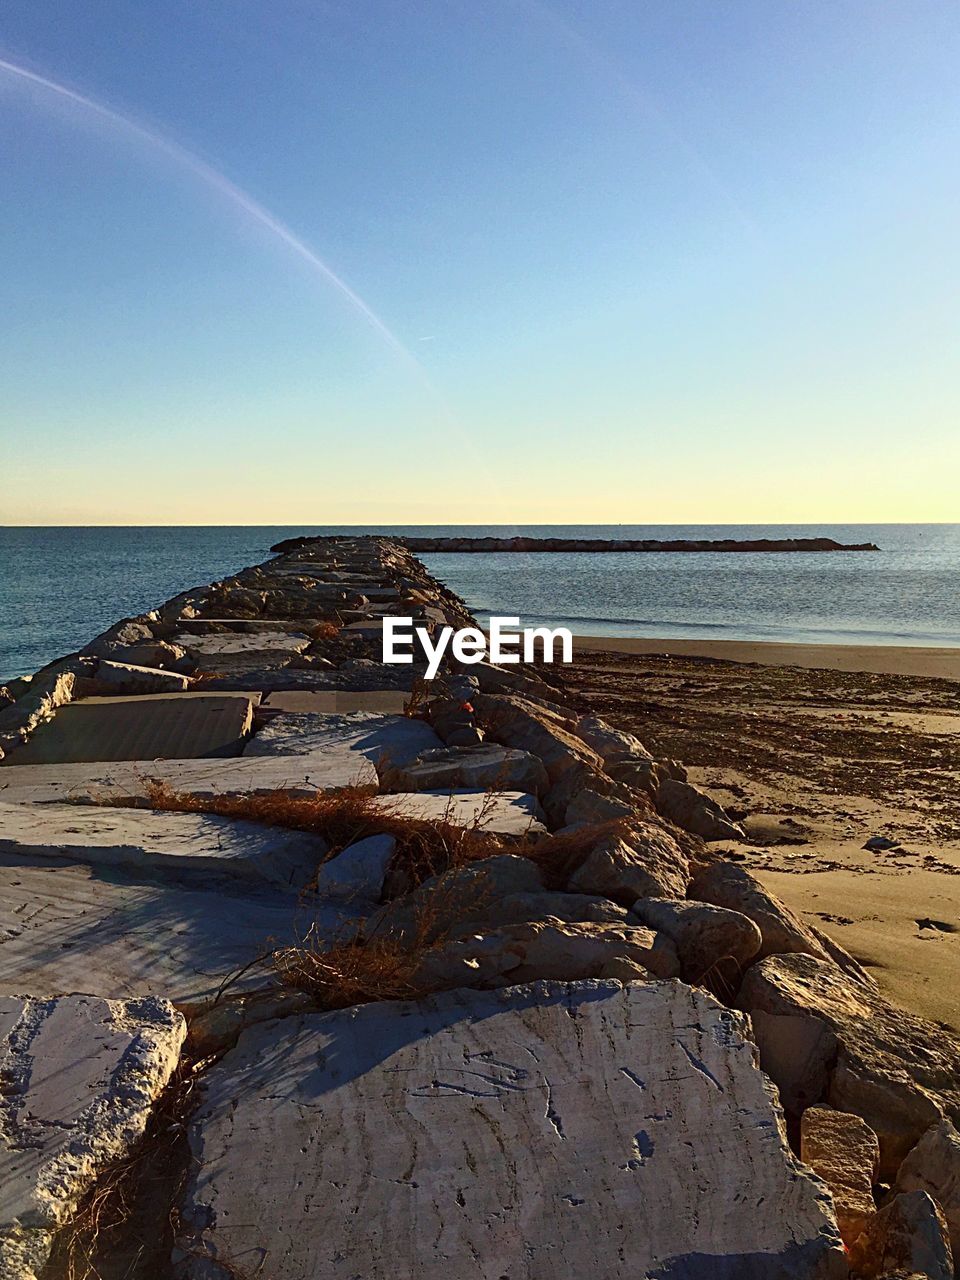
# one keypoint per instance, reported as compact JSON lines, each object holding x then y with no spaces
{"x":507,"y":813}
{"x":77,"y":928}
{"x":80,"y":1077}
{"x":563,"y":1129}
{"x":266,"y":641}
{"x":333,"y":768}
{"x":388,"y":742}
{"x":151,"y":842}
{"x":357,"y":873}
{"x":125,"y":677}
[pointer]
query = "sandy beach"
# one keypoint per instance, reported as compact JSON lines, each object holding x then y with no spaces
{"x":818,"y":749}
{"x":896,"y":660}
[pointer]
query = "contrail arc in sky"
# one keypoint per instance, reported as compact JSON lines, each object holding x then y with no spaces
{"x":230,"y":191}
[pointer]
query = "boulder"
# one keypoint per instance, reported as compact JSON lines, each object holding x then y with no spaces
{"x":564,"y":1129}
{"x":695,"y":811}
{"x":609,"y":743}
{"x":897,"y":1072}
{"x":706,"y":937}
{"x":80,"y":1077}
{"x":357,"y":873}
{"x":515,"y":722}
{"x":934,"y":1166}
{"x":38,"y":703}
{"x":545,"y":949}
{"x":589,"y":806}
{"x":517,"y":908}
{"x":483,"y":766}
{"x":644,"y":862}
{"x":907,"y":1235}
{"x":798,"y":1053}
{"x":844,"y":1152}
{"x":726,"y":884}
{"x":639,"y":774}
{"x":463,"y":893}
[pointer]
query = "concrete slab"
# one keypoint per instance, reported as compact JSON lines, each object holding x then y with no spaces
{"x":70,"y":927}
{"x":329,"y":702}
{"x":209,"y":626}
{"x":175,"y":844}
{"x":331,"y":769}
{"x":147,"y":728}
{"x":508,"y":813}
{"x":125,"y":677}
{"x":232,"y":642}
{"x":558,"y":1129}
{"x":80,"y":1077}
{"x":386,"y":741}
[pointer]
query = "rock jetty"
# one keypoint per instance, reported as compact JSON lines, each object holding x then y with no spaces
{"x":312,"y":967}
{"x":433,"y":545}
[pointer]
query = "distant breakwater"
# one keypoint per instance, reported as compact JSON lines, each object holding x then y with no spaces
{"x":604,"y":544}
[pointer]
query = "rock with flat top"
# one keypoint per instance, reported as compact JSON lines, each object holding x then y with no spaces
{"x":161,"y":843}
{"x":645,"y":862}
{"x":175,"y":726}
{"x":934,"y":1166}
{"x":80,"y":1077}
{"x":67,"y":926}
{"x":126,"y":677}
{"x":480,"y":766}
{"x":896,"y":1071}
{"x":136,"y":781}
{"x":506,"y":813}
{"x":907,"y":1235}
{"x":844,"y":1152}
{"x":390,"y":743}
{"x":562,"y":1129}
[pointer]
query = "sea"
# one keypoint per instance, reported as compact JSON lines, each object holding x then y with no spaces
{"x":59,"y":587}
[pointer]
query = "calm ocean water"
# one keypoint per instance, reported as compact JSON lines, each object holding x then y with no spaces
{"x":59,"y":587}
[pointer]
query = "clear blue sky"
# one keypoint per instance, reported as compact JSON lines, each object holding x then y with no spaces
{"x":664,"y":261}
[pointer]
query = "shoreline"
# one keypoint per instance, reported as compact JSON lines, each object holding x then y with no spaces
{"x":875,"y":659}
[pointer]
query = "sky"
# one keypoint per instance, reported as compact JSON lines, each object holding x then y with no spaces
{"x":479,"y":261}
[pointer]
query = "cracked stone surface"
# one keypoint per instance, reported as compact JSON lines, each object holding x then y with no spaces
{"x":390,"y":742}
{"x":558,"y":1129}
{"x":178,"y":844}
{"x":333,"y":768}
{"x":80,"y":1076}
{"x":70,"y":927}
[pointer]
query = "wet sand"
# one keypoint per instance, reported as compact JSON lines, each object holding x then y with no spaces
{"x":901,"y":660}
{"x":816,"y":754}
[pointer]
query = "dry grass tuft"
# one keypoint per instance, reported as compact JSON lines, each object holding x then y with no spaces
{"x":324,"y":631}
{"x":355,"y":971}
{"x":125,"y":1227}
{"x":425,"y":847}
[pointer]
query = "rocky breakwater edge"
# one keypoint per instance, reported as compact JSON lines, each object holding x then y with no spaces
{"x":312,"y":967}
